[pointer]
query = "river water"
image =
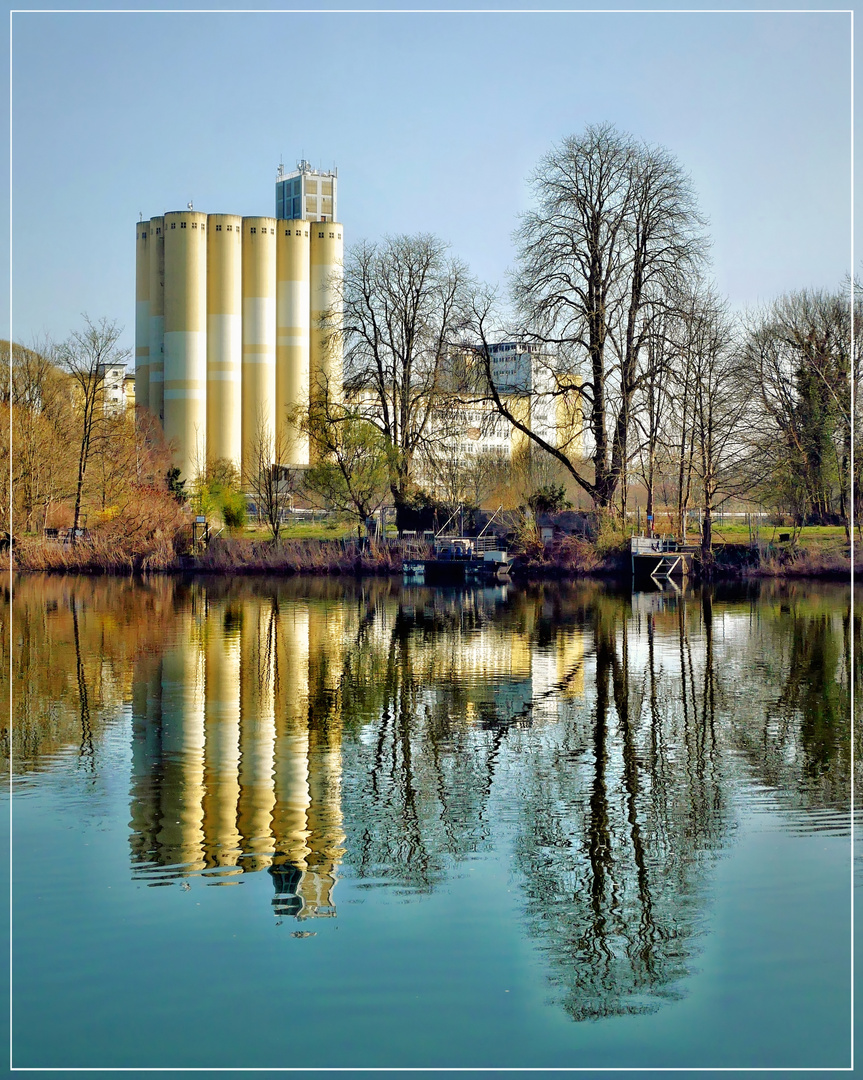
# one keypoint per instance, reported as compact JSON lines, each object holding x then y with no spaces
{"x":328,"y":823}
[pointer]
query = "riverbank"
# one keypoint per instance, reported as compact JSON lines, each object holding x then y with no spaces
{"x":572,"y":558}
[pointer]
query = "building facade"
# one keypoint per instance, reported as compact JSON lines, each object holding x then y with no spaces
{"x":230,"y":341}
{"x":306,"y":194}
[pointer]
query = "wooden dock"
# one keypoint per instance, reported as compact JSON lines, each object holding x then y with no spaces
{"x":659,"y":557}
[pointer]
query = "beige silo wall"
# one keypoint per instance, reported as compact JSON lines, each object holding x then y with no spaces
{"x":185,"y":384}
{"x":224,"y":337}
{"x":326,"y":269}
{"x":259,"y":341}
{"x":292,"y":338}
{"x":142,"y":314}
{"x":155,"y":395}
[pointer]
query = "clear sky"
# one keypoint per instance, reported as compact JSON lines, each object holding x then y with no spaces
{"x":435,"y":122}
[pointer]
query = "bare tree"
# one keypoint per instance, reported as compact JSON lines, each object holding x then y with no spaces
{"x":801,"y":368}
{"x":41,"y":418}
{"x":350,"y":472}
{"x":615,"y":231}
{"x":654,"y":413}
{"x":85,"y":355}
{"x":271,"y":485}
{"x":404,"y":300}
{"x":714,"y":371}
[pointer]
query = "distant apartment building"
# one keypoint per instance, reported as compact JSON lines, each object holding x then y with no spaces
{"x":527,"y":379}
{"x":118,"y":388}
{"x":471,"y":431}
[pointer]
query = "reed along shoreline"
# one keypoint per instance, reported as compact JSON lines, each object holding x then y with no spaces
{"x":338,"y":557}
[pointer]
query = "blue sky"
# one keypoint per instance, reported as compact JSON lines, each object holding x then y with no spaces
{"x":435,"y":122}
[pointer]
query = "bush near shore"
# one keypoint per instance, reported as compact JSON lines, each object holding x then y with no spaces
{"x":108,"y":553}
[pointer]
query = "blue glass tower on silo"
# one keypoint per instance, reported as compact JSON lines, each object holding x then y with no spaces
{"x":306,"y":194}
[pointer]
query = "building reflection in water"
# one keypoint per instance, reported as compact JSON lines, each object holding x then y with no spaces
{"x":601,"y":741}
{"x":234,"y":769}
{"x":599,"y":737}
{"x":237,"y":729}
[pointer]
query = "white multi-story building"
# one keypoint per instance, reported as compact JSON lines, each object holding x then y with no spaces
{"x":521,"y":370}
{"x":115,"y":385}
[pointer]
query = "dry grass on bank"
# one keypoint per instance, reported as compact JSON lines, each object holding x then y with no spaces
{"x":803,"y":562}
{"x":298,"y":557}
{"x":109,"y":551}
{"x":103,"y":555}
{"x":94,"y":555}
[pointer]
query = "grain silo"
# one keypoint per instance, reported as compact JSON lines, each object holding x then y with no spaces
{"x":156,"y":240}
{"x":259,"y":342}
{"x":224,"y":338}
{"x":228,"y":338}
{"x":292,"y":339}
{"x":142,"y":314}
{"x":185,"y":382}
{"x":326,"y":268}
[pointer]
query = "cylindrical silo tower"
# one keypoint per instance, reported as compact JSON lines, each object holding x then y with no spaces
{"x":156,"y":240}
{"x":259,"y":343}
{"x":326,"y":258}
{"x":224,"y":337}
{"x":142,"y":314}
{"x":292,"y":338}
{"x":186,"y":339}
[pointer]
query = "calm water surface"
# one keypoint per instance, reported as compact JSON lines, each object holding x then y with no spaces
{"x":338,"y":824}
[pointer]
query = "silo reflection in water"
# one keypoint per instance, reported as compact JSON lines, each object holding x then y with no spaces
{"x":257,"y":734}
{"x":291,"y":767}
{"x":181,"y":836}
{"x":233,"y":772}
{"x":222,"y":731}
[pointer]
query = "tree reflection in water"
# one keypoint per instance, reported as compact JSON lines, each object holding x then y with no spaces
{"x":623,"y":817}
{"x":315,"y":728}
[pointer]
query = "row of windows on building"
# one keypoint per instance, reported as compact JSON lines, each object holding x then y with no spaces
{"x":252,"y":229}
